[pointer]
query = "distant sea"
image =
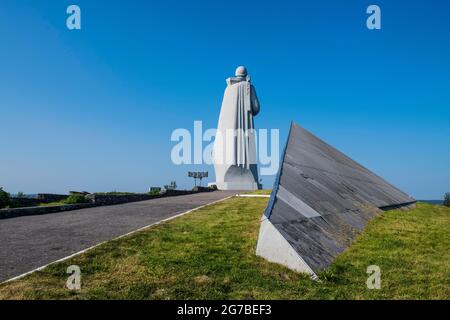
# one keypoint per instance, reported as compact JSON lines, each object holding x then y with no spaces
{"x":440,"y":202}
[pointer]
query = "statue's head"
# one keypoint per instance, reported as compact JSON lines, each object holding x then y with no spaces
{"x":241,"y":72}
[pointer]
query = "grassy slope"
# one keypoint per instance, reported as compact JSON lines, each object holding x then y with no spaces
{"x":210,"y":254}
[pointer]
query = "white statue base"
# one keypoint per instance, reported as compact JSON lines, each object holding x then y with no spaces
{"x":244,"y":186}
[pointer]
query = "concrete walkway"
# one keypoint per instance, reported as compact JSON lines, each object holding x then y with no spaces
{"x":30,"y":242}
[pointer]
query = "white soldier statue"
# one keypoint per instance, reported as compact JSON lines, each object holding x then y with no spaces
{"x":234,"y":154}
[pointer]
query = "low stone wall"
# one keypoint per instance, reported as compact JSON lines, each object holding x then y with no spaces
{"x":106,"y":199}
{"x":203,"y":189}
{"x":171,"y":193}
{"x":33,"y":202}
{"x":18,"y":212}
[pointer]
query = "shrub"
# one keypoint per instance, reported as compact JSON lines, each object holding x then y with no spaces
{"x":76,"y":198}
{"x":115,"y":193}
{"x":447,"y":199}
{"x":4,"y":199}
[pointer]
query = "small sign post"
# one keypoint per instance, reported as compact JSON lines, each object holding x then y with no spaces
{"x":197,"y":175}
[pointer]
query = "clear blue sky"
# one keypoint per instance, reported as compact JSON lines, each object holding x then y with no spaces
{"x":94,"y":109}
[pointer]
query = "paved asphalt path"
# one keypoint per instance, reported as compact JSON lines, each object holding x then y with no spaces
{"x":29,"y":242}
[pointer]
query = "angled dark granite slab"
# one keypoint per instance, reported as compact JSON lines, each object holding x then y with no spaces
{"x":322,"y":199}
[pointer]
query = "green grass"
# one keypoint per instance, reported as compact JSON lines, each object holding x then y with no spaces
{"x":210,"y":254}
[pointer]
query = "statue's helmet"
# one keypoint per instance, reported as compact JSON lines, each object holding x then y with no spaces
{"x":241,"y":72}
